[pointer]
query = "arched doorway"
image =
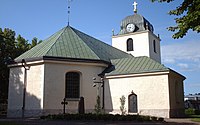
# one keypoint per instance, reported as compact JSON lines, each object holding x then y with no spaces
{"x":132,"y":103}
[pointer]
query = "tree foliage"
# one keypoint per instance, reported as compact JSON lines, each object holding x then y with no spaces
{"x":10,"y":48}
{"x":7,"y":47}
{"x":188,"y":17}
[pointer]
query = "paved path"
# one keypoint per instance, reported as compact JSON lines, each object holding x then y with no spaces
{"x":33,"y":121}
{"x":185,"y":121}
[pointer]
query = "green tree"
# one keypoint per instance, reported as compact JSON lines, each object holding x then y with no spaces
{"x":22,"y":45}
{"x":34,"y":42}
{"x":188,"y":17}
{"x":7,"y":53}
{"x":10,"y":48}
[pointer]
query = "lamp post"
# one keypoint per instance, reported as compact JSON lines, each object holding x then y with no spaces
{"x":24,"y":87}
{"x":99,"y":84}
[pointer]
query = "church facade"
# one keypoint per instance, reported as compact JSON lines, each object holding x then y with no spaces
{"x":70,"y":65}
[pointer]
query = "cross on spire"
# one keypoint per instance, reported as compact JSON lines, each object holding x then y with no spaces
{"x":135,"y":6}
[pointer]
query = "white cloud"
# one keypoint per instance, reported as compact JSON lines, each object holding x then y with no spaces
{"x":185,"y":55}
{"x":192,"y":84}
{"x":169,"y":60}
{"x":185,"y":50}
{"x":192,"y":88}
{"x":183,"y":65}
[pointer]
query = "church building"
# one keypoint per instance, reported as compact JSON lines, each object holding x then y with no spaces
{"x":72,"y":67}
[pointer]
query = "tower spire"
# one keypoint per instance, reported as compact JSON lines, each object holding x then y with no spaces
{"x":135,"y":6}
{"x":68,"y":11}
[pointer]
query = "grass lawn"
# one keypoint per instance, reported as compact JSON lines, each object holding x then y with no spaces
{"x":195,"y":118}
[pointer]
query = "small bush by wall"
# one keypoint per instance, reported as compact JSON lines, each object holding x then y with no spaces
{"x":102,"y":117}
{"x":192,"y":111}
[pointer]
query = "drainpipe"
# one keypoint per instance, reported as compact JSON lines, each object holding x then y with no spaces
{"x":102,"y":75}
{"x":24,"y":87}
{"x":103,"y":100}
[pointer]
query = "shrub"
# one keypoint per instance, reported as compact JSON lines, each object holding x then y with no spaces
{"x":146,"y":118}
{"x":190,"y":111}
{"x":97,"y":107}
{"x":197,"y":112}
{"x":130,"y":117}
{"x":153,"y":118}
{"x":122,"y":107}
{"x":139,"y":118}
{"x":104,"y":117}
{"x":161,"y":119}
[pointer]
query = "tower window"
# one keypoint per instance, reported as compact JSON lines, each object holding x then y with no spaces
{"x":130,"y":44}
{"x":72,"y":87}
{"x":154,"y":46}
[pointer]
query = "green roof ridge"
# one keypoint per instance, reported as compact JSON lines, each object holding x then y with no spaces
{"x":72,"y":43}
{"x":135,"y":65}
{"x":33,"y":51}
{"x":63,"y":30}
{"x":85,"y":43}
{"x":103,"y":47}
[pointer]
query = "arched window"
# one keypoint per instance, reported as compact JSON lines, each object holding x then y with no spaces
{"x":132,"y":103}
{"x":72,"y":85}
{"x":154,"y":46}
{"x":129,"y":44}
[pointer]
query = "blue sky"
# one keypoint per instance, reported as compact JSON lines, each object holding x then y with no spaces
{"x":42,"y":18}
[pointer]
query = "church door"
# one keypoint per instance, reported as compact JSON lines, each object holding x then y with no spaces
{"x":132,"y":102}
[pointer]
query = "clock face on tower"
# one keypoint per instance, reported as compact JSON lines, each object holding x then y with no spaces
{"x":130,"y":27}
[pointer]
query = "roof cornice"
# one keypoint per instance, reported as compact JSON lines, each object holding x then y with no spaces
{"x":58,"y":59}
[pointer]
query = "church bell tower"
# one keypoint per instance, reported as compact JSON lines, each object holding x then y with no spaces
{"x":137,"y":38}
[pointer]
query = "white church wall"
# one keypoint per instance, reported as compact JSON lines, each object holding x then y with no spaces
{"x":140,"y":43}
{"x":55,"y":86}
{"x":15,"y":92}
{"x":176,"y":94}
{"x":152,"y":93}
{"x":34,"y":91}
{"x":154,"y":55}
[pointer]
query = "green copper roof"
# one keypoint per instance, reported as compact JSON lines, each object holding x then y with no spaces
{"x":134,"y":65}
{"x":71,"y":43}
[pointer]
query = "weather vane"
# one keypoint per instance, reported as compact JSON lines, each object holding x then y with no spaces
{"x":135,"y":6}
{"x":68,"y":10}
